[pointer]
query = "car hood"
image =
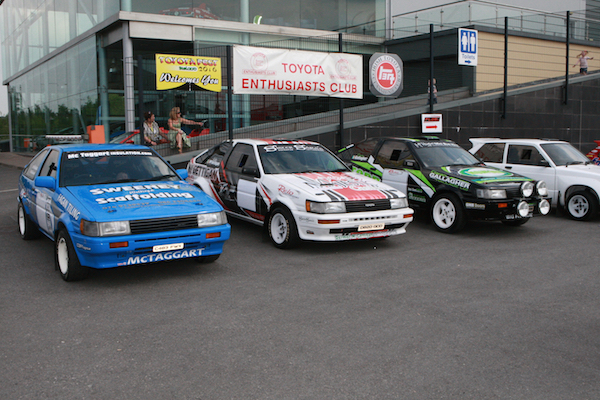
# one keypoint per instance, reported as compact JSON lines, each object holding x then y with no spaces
{"x":484,"y":175}
{"x":142,"y":200}
{"x":338,"y":186}
{"x":580,"y":170}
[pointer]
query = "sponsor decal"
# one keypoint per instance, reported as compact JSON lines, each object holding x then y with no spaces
{"x":343,"y":187}
{"x":139,"y":192}
{"x":423,"y":144}
{"x":416,"y":197}
{"x":479,"y":172}
{"x":368,"y":174}
{"x":286,"y":191}
{"x":82,"y":247}
{"x":107,"y":153}
{"x":165,"y":256}
{"x":291,"y":147}
{"x":459,"y":183}
{"x":475,"y":206}
{"x":69,"y":208}
{"x":358,"y":157}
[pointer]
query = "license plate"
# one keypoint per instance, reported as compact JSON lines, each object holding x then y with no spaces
{"x":167,"y":247}
{"x":371,"y":227}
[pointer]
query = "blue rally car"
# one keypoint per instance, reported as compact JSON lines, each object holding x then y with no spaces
{"x":111,"y":205}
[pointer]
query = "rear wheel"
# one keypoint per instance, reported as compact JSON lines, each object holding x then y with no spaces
{"x":282,"y":229}
{"x":27,"y":228}
{"x":66,"y":259}
{"x":582,"y":205}
{"x":447,"y":213}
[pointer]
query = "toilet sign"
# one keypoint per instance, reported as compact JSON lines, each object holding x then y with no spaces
{"x":467,"y":47}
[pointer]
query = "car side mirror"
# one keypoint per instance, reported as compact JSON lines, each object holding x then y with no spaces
{"x":543,"y":163}
{"x":47,"y":182}
{"x":412,"y":164}
{"x":252,"y":171}
{"x":182,"y":173}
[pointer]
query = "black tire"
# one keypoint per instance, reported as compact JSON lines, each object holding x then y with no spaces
{"x":27,"y":229}
{"x":581,"y":205}
{"x":208,"y":259}
{"x":447,"y":213}
{"x":66,"y":259}
{"x":515,"y":222}
{"x":282,"y":229}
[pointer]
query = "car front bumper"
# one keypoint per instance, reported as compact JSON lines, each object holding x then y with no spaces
{"x":96,"y":252}
{"x":502,"y":209}
{"x":352,"y":226}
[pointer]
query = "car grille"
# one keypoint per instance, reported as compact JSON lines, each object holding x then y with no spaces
{"x":514,"y":191}
{"x":163,"y":224}
{"x":367,"y":205}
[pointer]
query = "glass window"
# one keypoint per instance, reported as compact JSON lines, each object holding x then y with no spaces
{"x":360,"y":151}
{"x":564,"y":153}
{"x":50,"y":165}
{"x":298,"y":158}
{"x":392,"y":154}
{"x":242,"y":156}
{"x":491,"y":152}
{"x":526,"y":155}
{"x":34,"y":165}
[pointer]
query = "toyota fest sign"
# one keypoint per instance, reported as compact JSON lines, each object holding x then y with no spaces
{"x":386,"y":75}
{"x":258,"y":70}
{"x":177,"y":71}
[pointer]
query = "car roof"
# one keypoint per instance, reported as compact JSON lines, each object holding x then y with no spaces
{"x":98,"y":147}
{"x":517,"y":141}
{"x":261,"y":142}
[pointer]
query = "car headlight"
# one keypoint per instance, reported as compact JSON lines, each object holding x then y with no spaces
{"x":523,"y":208}
{"x":491,"y":193}
{"x":541,"y":188}
{"x":333,"y":207}
{"x":399,"y":203}
{"x":212,"y":219}
{"x":114,"y":228}
{"x":527,"y":189}
{"x":544,"y":207}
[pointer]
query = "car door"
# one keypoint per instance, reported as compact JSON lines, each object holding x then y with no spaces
{"x":390,"y":158}
{"x":528,"y":161}
{"x":28,"y":190}
{"x":242,"y":174}
{"x":43,"y":196}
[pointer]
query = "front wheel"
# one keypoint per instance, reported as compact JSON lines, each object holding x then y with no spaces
{"x":447,"y":213}
{"x":282,"y":229}
{"x":66,"y":259}
{"x":27,"y":228}
{"x":582,"y":206}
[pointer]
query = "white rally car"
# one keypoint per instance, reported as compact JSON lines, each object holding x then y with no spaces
{"x":300,"y":190}
{"x":573,"y":180}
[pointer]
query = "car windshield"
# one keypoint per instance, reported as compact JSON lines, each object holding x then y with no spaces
{"x":113,"y":166}
{"x":564,"y":154}
{"x":298,"y":157}
{"x":440,"y":154}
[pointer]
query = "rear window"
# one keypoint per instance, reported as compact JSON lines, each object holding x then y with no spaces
{"x":491,"y":152}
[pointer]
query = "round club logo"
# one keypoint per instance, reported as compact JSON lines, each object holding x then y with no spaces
{"x":259,"y":61}
{"x":386,"y":78}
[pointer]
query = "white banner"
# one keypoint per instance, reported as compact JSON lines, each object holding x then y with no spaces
{"x":258,"y":70}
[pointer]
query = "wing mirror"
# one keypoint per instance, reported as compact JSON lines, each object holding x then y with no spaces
{"x":47,"y":182}
{"x":252,"y":171}
{"x":412,"y":164}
